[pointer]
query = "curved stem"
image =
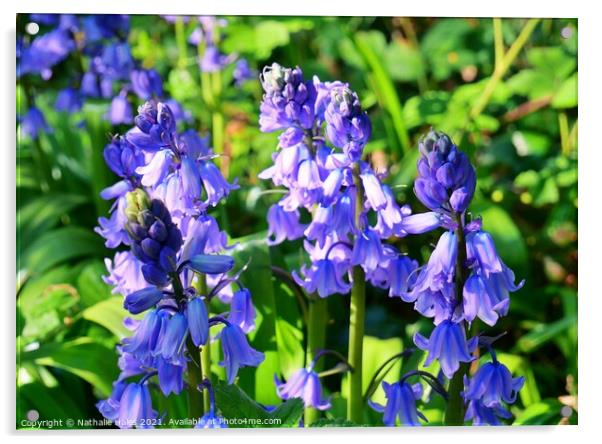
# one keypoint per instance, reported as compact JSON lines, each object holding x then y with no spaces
{"x":375,"y":378}
{"x":357,"y":316}
{"x":286,"y":277}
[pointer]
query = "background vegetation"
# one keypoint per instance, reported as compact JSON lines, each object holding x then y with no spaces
{"x":506,"y":90}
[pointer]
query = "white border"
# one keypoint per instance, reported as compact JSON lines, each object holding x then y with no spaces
{"x":590,"y":191}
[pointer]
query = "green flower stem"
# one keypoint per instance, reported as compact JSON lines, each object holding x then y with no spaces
{"x":316,"y":335}
{"x":201,"y":287}
{"x":195,"y":397}
{"x":455,"y":410}
{"x":181,"y":42}
{"x":356,"y":318}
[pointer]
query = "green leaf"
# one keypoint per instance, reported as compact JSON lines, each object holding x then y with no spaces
{"x":543,"y":333}
{"x":566,"y":96}
{"x":368,"y":44}
{"x":544,"y":412}
{"x":376,"y":352}
{"x":403,"y":61}
{"x":110,"y":314}
{"x":60,"y":245}
{"x":91,"y":361}
{"x":234,"y":403}
{"x":92,"y":289}
{"x":42,"y":214}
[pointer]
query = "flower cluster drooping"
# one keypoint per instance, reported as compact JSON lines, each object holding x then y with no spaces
{"x":464,"y":278}
{"x":168,"y":183}
{"x":319,"y":163}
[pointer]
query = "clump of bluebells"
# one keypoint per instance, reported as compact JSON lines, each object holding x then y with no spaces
{"x":464,"y":279}
{"x":319,"y":164}
{"x":323,"y":131}
{"x":168,"y":184}
{"x":109,"y":71}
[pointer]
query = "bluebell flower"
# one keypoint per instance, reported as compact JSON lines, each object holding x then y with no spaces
{"x":146,"y":83}
{"x":155,"y":238}
{"x":367,"y":250}
{"x":135,"y":408}
{"x":33,"y":123}
{"x":120,"y":110}
{"x":375,"y":194}
{"x":242,"y":312}
{"x":109,"y":408}
{"x":213,"y":60}
{"x":143,"y":342}
{"x":210,"y":263}
{"x":440,"y":270}
{"x":323,"y":276}
{"x":481,"y":415}
{"x":481,"y":250}
{"x":123,"y":158}
{"x":215,"y":185}
{"x":202,"y":236}
{"x":155,"y":171}
{"x":242,"y":72}
{"x":172,"y":339}
{"x":347,"y":126}
{"x":44,"y":52}
{"x":401,"y":403}
{"x":288,"y":100}
{"x":128,"y":364}
{"x":421,"y":223}
{"x":448,"y":345}
{"x":400,"y":271}
{"x":237,"y":351}
{"x":493,"y":385}
{"x":125,"y":274}
{"x":68,"y":100}
{"x":446,"y":179}
{"x":283,"y":225}
{"x":304,"y":384}
{"x":198,"y":321}
{"x":171,"y":377}
{"x":142,"y":300}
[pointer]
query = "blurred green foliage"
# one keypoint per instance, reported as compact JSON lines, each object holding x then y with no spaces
{"x":505,"y":89}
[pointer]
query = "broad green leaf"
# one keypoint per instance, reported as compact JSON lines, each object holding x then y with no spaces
{"x":543,"y":333}
{"x":83,"y":357}
{"x":60,"y":245}
{"x":110,"y":314}
{"x":91,"y":287}
{"x":566,"y":96}
{"x":235,"y":404}
{"x":367,"y":44}
{"x":403,"y":61}
{"x":43,"y":213}
{"x":376,"y":353}
{"x":544,"y":412}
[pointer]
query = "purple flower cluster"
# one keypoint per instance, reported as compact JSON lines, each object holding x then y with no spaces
{"x":318,"y":161}
{"x":110,"y":72}
{"x":167,"y":184}
{"x":464,"y":278}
